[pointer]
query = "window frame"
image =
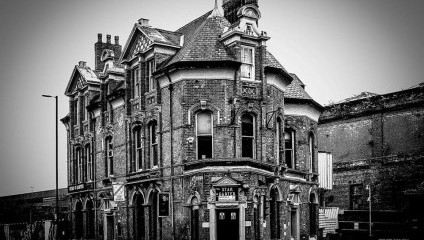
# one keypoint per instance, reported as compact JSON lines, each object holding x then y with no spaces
{"x":136,"y":79}
{"x":292,"y":134}
{"x":109,"y":156}
{"x":252,"y":137}
{"x":250,"y":65}
{"x":79,"y":158}
{"x":153,"y":145}
{"x":280,"y":137}
{"x":311,"y":143}
{"x":89,"y":161}
{"x":138,"y":149}
{"x":150,"y":68}
{"x":204,"y":135}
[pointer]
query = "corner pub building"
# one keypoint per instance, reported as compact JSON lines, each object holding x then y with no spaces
{"x":198,"y":133}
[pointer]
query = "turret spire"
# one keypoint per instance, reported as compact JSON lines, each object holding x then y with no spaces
{"x":215,"y":12}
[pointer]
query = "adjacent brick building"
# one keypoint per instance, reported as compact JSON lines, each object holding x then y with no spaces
{"x":197,"y":133}
{"x":377,"y":140}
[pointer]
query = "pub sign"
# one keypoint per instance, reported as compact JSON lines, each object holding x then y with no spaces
{"x":226,"y":194}
{"x":163,"y":204}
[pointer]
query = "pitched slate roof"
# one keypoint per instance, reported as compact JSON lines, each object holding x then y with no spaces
{"x":158,"y":35}
{"x":295,"y":90}
{"x":87,"y":74}
{"x":271,"y":61}
{"x":202,"y":41}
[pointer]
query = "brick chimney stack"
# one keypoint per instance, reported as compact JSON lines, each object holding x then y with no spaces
{"x":99,"y":46}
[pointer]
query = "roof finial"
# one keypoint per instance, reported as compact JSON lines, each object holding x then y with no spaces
{"x":215,"y":12}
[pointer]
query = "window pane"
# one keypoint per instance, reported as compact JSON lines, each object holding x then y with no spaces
{"x":289,"y":158}
{"x":204,"y":123}
{"x":155,"y":155}
{"x":246,"y":71}
{"x":247,"y":125}
{"x":247,"y":147}
{"x":204,"y":147}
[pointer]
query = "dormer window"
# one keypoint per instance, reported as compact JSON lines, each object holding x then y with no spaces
{"x":248,"y":66}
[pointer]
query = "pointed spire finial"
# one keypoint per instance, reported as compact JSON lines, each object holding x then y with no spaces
{"x":216,"y":12}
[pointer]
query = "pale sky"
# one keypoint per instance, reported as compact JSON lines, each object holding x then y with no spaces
{"x":338,"y":48}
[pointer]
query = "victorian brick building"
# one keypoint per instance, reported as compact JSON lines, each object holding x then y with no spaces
{"x":378,"y":141}
{"x":198,"y":133}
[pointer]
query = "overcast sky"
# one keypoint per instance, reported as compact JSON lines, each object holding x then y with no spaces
{"x":338,"y":48}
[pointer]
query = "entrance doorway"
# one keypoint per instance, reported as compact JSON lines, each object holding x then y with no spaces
{"x":227,"y":224}
{"x":110,"y":227}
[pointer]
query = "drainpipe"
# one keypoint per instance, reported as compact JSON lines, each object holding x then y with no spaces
{"x":93,"y":162}
{"x":171,"y":127}
{"x":234,"y":110}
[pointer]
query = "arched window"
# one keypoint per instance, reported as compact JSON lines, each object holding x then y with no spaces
{"x":90,"y":219}
{"x":289,"y":148}
{"x":279,"y":140}
{"x":139,"y":221}
{"x":78,"y":217}
{"x":311,"y":152}
{"x":247,"y":136}
{"x":138,"y":149}
{"x":153,"y":144}
{"x":204,"y":134}
{"x":109,"y":156}
{"x":274,"y":214}
{"x":195,"y":219}
{"x":89,"y":163}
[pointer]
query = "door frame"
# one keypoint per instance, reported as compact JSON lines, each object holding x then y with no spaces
{"x":212,"y":207}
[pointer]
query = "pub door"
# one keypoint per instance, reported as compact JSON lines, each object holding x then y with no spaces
{"x":227,"y":224}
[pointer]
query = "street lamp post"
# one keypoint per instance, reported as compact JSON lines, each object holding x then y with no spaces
{"x":368,"y":187}
{"x":57,"y":189}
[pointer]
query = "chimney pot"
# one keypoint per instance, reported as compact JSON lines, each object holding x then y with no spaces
{"x":143,"y":22}
{"x":108,"y":38}
{"x":116,"y":40}
{"x":81,"y":63}
{"x":99,"y":37}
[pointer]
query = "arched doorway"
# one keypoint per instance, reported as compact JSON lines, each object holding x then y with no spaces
{"x":153,"y":215}
{"x":90,"y":219}
{"x":139,"y":220}
{"x":195,"y":221}
{"x":313,"y":210}
{"x":274,"y":213}
{"x":78,"y":216}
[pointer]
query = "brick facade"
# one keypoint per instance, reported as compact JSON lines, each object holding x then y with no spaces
{"x":376,"y":140}
{"x":267,"y":199}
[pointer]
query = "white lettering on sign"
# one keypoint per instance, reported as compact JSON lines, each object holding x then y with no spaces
{"x":226,"y":194}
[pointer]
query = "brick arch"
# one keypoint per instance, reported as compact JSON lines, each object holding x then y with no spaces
{"x":77,"y":202}
{"x":136,"y":124}
{"x":198,"y":107}
{"x":192,"y":196}
{"x":313,"y":192}
{"x":280,"y":192}
{"x":135,"y":194}
{"x":149,"y":193}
